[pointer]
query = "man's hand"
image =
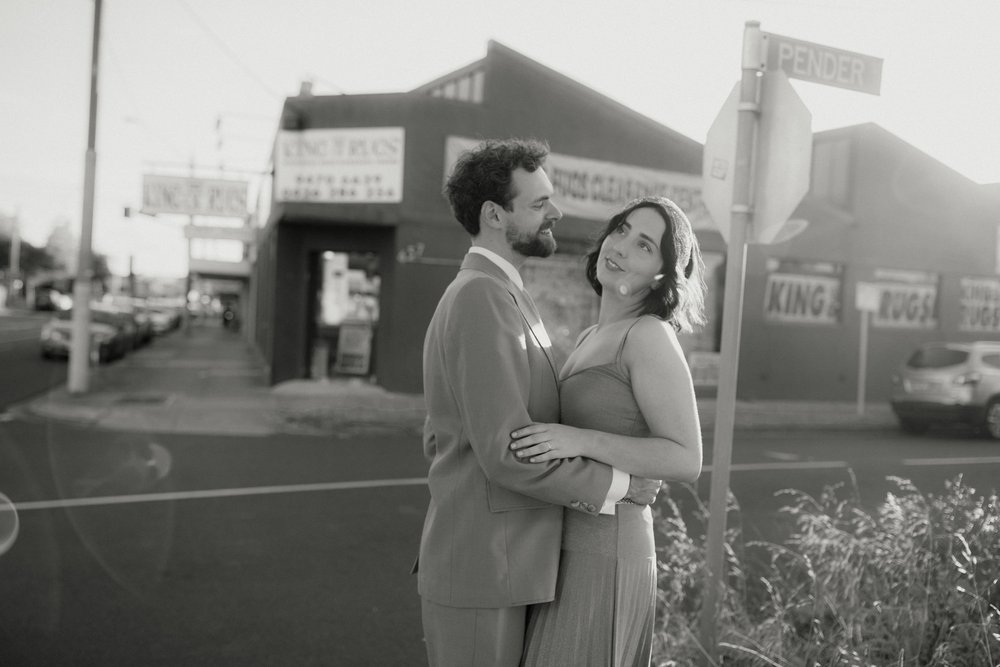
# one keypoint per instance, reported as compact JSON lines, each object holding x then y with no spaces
{"x":642,"y":491}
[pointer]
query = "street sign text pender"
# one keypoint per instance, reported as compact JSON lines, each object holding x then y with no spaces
{"x":823,"y":64}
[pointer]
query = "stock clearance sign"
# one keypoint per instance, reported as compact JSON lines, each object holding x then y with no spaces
{"x":823,"y":64}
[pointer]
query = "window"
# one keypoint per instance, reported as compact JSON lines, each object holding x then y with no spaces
{"x":992,"y":359}
{"x":466,"y":87}
{"x":937,"y":357}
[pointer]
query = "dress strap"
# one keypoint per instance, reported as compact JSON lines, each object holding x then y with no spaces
{"x":586,"y":334}
{"x":621,"y":346}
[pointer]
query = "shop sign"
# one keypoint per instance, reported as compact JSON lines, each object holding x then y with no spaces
{"x":597,"y":189}
{"x":802,"y":298}
{"x":216,"y":267}
{"x":906,"y":306}
{"x":344,"y":165}
{"x":194,"y":196}
{"x":980,"y":306}
{"x":354,"y":348}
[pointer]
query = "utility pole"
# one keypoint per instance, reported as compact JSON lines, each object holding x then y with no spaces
{"x":15,"y":246}
{"x":79,"y":356}
{"x":16,"y":284}
{"x":188,"y":281}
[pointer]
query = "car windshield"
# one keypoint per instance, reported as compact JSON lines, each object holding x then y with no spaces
{"x":937,"y":357}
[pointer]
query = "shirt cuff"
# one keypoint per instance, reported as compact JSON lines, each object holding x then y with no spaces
{"x":619,"y":487}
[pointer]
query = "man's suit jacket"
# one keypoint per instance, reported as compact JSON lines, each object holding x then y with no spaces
{"x":493,"y":529}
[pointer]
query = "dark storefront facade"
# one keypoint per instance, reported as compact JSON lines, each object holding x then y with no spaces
{"x":379,"y":214}
{"x":359,"y":243}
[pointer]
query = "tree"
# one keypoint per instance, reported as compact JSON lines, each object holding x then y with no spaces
{"x":31,"y":260}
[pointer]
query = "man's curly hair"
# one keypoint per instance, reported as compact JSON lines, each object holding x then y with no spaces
{"x":484,"y":174}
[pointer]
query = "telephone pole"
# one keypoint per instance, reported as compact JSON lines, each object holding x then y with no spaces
{"x":79,"y":355}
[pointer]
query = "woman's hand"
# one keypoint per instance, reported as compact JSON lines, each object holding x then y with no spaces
{"x":537,"y":443}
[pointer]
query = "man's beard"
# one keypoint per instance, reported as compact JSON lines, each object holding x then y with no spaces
{"x":533,"y":245}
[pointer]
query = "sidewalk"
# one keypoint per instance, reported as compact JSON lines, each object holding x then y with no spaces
{"x":210,"y":381}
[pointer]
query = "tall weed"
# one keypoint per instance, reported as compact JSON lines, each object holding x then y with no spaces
{"x":916,"y":582}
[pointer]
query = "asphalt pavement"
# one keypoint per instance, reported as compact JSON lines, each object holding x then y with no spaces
{"x":211,"y":380}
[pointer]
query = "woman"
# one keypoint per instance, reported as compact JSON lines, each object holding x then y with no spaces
{"x":626,"y":399}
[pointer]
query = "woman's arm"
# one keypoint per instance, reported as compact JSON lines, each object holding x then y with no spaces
{"x":661,"y":383}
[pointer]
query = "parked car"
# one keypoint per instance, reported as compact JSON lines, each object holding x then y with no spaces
{"x":107,"y":341}
{"x":164,"y":320}
{"x":945,"y":383}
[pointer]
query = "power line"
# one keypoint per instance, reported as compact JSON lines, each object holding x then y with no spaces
{"x":228,"y":51}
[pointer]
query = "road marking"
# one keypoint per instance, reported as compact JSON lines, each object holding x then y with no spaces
{"x":213,"y":493}
{"x":789,"y":465}
{"x":27,"y":506}
{"x":972,"y":460}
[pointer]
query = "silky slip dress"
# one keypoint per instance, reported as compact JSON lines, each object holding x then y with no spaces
{"x":602,"y":614}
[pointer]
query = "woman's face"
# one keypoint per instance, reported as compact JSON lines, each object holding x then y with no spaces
{"x":630,"y":258}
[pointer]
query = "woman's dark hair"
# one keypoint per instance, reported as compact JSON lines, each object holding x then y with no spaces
{"x":678,"y":296}
{"x":484,"y":174}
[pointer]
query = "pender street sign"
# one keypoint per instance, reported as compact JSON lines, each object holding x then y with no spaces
{"x":823,"y":64}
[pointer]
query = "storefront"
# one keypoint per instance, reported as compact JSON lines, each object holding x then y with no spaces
{"x":359,"y":242}
{"x":884,"y":218}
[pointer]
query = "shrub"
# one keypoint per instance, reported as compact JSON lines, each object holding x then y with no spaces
{"x":914,"y":583}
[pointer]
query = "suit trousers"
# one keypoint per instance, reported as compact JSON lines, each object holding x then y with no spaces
{"x":469,"y":637}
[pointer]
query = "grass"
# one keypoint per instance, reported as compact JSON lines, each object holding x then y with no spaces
{"x":913,"y":583}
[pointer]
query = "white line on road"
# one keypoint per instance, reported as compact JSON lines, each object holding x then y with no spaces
{"x":974,"y":460}
{"x":213,"y":493}
{"x":790,"y":465}
{"x":420,"y":481}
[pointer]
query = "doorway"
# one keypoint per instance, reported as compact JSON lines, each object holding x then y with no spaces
{"x":345,"y":314}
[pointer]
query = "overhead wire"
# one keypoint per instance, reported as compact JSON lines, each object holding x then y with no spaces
{"x":228,"y":51}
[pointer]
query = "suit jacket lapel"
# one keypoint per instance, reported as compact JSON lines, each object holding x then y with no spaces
{"x":477,"y":262}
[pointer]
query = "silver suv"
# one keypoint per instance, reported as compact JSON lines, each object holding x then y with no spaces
{"x":949,"y":383}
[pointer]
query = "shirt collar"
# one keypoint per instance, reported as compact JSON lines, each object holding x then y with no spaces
{"x":504,"y":265}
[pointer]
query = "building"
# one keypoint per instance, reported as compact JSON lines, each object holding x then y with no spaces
{"x":357,"y":243}
{"x":887,"y":223}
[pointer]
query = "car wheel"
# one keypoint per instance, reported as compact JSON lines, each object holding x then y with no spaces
{"x":914,"y":427}
{"x":992,"y":422}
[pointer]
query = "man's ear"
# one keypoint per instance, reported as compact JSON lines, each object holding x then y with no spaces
{"x":490,"y":215}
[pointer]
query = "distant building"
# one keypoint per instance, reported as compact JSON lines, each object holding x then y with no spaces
{"x":62,"y":245}
{"x":356,"y":242}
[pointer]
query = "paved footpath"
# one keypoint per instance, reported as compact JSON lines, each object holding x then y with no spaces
{"x":211,"y":380}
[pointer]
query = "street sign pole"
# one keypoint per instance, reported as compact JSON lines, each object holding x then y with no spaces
{"x":732,"y":315}
{"x":862,"y":361}
{"x":78,"y":380}
{"x":866,"y":298}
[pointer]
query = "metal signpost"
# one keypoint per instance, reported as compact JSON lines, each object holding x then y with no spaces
{"x":755,"y":171}
{"x":866,"y":299}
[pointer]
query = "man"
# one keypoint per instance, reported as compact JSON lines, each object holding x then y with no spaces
{"x":491,"y":538}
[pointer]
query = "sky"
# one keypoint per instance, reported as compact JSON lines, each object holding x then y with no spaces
{"x":202,"y":82}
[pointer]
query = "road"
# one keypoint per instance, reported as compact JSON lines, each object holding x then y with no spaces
{"x":23,"y":372}
{"x":166,"y":549}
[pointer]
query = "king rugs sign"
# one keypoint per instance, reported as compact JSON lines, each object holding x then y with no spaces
{"x":803,"y":299}
{"x":802,"y":292}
